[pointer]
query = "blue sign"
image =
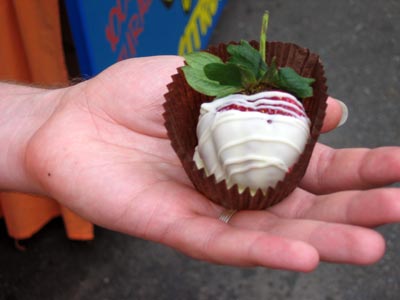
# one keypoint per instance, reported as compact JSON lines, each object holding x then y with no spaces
{"x":105,"y":32}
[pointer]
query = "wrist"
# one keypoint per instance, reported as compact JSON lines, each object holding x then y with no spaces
{"x":23,"y":110}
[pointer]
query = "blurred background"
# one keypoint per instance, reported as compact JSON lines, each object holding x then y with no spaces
{"x":358,"y":43}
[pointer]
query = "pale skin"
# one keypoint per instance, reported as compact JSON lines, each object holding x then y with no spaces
{"x":101,"y":149}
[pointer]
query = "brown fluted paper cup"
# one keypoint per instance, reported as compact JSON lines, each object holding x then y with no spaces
{"x":182,"y":110}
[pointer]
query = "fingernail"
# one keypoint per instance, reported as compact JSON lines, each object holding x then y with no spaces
{"x":345,"y":113}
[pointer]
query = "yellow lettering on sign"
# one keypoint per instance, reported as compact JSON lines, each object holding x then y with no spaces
{"x":186,"y":5}
{"x":199,"y":23}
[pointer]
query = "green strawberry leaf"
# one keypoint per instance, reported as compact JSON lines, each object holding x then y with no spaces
{"x":244,"y":55}
{"x":197,"y":79}
{"x":248,"y":78}
{"x":292,"y":82}
{"x":198,"y":60}
{"x":227,"y":90}
{"x":271,"y":76}
{"x":225,"y":74}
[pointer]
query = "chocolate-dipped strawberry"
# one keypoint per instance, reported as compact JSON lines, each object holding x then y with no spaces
{"x":247,"y":137}
{"x":244,"y":120}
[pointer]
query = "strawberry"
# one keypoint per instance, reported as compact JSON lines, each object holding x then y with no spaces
{"x":251,"y":140}
{"x":256,"y":128}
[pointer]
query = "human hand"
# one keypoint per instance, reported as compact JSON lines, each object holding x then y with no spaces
{"x":104,"y":153}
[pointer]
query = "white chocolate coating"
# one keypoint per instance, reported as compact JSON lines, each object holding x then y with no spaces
{"x":251,"y":148}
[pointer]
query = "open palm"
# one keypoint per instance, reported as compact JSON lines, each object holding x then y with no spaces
{"x":104,"y":153}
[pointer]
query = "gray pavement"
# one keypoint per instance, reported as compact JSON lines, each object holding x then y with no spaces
{"x":359,"y":45}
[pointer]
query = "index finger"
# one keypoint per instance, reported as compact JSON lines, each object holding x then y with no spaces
{"x":336,"y":114}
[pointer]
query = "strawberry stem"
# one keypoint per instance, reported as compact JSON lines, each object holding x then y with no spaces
{"x":263,"y":35}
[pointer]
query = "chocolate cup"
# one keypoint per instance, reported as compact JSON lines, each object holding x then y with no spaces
{"x":182,"y":109}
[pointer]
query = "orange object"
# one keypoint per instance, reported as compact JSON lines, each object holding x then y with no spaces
{"x":31,"y":52}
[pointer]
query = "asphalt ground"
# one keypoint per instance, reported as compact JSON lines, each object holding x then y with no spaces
{"x":358,"y":43}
